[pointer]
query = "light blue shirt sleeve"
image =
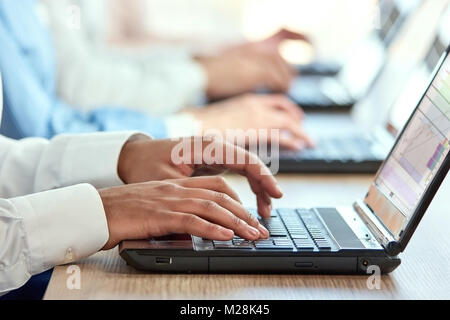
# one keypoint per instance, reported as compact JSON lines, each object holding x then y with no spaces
{"x":31,"y":105}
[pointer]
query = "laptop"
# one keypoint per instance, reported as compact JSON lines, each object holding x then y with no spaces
{"x":340,"y":91}
{"x":359,"y":142}
{"x":419,"y":78}
{"x":347,"y":240}
{"x":390,"y":20}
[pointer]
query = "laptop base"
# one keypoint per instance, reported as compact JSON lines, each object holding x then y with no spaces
{"x":334,"y":166}
{"x":318,"y":240}
{"x":190,"y":261}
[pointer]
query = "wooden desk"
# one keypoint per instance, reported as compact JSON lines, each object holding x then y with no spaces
{"x":424,"y":273}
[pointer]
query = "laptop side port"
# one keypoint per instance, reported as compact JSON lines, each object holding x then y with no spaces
{"x":163,"y":260}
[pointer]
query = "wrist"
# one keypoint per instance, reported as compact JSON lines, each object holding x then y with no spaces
{"x":107,"y":197}
{"x":128,"y":158}
{"x":125,"y":163}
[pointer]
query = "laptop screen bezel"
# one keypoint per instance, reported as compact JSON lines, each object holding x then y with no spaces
{"x":430,"y":192}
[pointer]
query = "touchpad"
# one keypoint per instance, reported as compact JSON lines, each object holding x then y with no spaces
{"x":343,"y":234}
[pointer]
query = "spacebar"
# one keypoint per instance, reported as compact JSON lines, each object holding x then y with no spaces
{"x":235,"y":247}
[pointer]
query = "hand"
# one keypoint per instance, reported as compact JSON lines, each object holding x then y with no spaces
{"x":149,"y":160}
{"x":249,"y":66}
{"x":257,"y":112}
{"x":205,"y":207}
{"x":272,"y":43}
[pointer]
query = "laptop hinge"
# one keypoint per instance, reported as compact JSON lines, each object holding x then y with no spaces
{"x":383,"y":236}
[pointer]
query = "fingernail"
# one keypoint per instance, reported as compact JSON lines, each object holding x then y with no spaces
{"x":254,"y":232}
{"x":264,"y":232}
{"x":279,"y":189}
{"x":300,"y":145}
{"x":228,"y":233}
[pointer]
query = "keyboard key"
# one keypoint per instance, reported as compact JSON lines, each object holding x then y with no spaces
{"x":235,"y":244}
{"x":224,"y":246}
{"x":217,"y":242}
{"x":304,"y":245}
{"x":282,"y":242}
{"x":298,"y":236}
{"x":264,"y":242}
{"x":266,"y":246}
{"x":243,"y":245}
{"x":323,"y":245}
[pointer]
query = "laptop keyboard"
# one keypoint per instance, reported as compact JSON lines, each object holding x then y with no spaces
{"x":350,"y":148}
{"x":317,"y":91}
{"x":289,"y":229}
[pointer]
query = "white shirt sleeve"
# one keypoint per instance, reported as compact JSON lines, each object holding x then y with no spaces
{"x":34,"y":164}
{"x":41,"y":230}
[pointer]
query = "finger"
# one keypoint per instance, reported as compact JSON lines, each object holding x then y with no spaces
{"x":253,"y":169}
{"x":249,"y":165}
{"x":298,"y":133}
{"x":217,"y":184}
{"x":264,"y":203}
{"x":274,"y":77}
{"x":293,"y":127}
{"x":285,"y":34}
{"x":284,"y":103}
{"x":264,"y":209}
{"x":213,"y":212}
{"x":288,"y":142}
{"x":286,"y":71}
{"x":187,"y":223}
{"x":228,"y":203}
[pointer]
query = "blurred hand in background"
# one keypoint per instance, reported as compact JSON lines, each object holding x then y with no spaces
{"x":250,"y":66}
{"x":252,"y":111}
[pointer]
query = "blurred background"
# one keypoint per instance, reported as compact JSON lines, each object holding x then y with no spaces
{"x":333,"y":25}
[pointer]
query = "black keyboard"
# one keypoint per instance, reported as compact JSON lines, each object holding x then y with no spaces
{"x":349,"y":154}
{"x":307,"y":92}
{"x":340,"y":149}
{"x":289,"y":229}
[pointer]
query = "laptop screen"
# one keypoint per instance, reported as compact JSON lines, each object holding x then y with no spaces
{"x":392,"y":15}
{"x":416,"y":158}
{"x":389,"y":13}
{"x":418,"y":80}
{"x":1,"y":97}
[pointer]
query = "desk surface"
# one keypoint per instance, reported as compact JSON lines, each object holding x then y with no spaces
{"x":423,"y":274}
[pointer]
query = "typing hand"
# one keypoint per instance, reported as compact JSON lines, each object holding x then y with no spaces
{"x":252,"y":111}
{"x":272,"y":43}
{"x":249,"y":66}
{"x":202,"y":206}
{"x":152,"y":160}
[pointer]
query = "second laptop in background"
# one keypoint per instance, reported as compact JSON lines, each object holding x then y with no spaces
{"x":340,"y":91}
{"x":347,"y":145}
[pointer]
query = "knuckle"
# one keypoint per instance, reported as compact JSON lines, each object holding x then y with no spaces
{"x":167,"y":187}
{"x":211,"y":228}
{"x":208,"y":205}
{"x":221,"y":197}
{"x":189,"y":219}
{"x":192,"y":203}
{"x":251,"y":218}
{"x":237,"y":222}
{"x":220,"y":181}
